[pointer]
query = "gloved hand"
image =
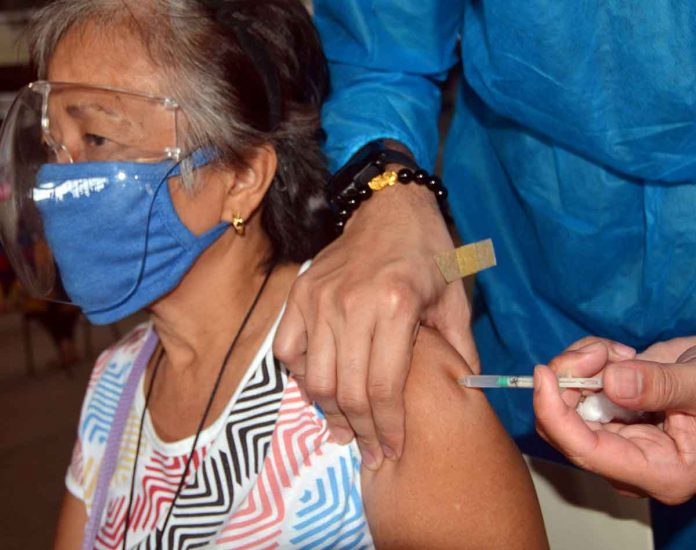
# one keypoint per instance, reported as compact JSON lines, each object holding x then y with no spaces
{"x":352,"y":318}
{"x":655,"y":459}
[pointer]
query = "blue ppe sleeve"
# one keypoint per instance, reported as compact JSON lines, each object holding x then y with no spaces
{"x":387,"y":61}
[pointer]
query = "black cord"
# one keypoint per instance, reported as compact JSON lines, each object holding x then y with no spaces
{"x":213,"y":393}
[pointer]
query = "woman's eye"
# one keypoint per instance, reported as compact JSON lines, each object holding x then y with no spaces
{"x":93,"y":139}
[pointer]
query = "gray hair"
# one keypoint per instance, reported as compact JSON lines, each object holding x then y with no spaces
{"x":222,"y":92}
{"x":183,"y":69}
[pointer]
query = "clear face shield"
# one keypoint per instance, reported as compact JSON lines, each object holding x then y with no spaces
{"x":62,"y":143}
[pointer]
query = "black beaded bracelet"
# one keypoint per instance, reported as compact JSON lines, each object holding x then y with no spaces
{"x":421,"y":177}
{"x":348,"y":201}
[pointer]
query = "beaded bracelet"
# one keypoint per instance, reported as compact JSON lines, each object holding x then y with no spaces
{"x":347,"y":202}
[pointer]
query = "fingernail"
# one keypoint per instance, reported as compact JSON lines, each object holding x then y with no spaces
{"x":627,"y":382}
{"x":342,"y":436}
{"x":623,"y":350}
{"x":368,"y":460}
{"x":389,"y":452}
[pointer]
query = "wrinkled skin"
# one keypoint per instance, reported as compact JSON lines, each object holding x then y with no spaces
{"x":352,"y":318}
{"x":643,"y":459}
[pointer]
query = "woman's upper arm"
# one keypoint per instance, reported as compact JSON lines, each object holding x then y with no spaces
{"x":71,"y":523}
{"x":461,"y":482}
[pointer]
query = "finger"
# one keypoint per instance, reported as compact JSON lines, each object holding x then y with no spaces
{"x":594,"y":426}
{"x":290,"y":342}
{"x":560,"y":424}
{"x":390,"y":361}
{"x":353,"y":357}
{"x":300,"y":386}
{"x":571,"y":397}
{"x":616,"y":350}
{"x":626,"y":490}
{"x":647,"y":386}
{"x":666,"y":351}
{"x":585,"y":361}
{"x":320,"y":379}
{"x":587,"y":445}
{"x":337,"y":422}
{"x":688,"y":356}
{"x":453,"y":320}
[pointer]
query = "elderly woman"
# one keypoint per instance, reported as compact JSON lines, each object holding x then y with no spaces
{"x":180,"y":171}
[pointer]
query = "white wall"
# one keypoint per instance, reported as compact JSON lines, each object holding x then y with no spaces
{"x":582,"y":511}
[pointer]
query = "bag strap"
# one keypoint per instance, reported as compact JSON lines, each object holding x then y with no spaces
{"x":113,"y":443}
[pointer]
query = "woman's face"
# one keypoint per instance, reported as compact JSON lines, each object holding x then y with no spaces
{"x":115,"y":127}
{"x":88,"y":124}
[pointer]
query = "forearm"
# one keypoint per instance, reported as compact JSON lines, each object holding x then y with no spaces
{"x":71,"y":524}
{"x":385,"y":79}
{"x":377,"y":283}
{"x":392,"y":209}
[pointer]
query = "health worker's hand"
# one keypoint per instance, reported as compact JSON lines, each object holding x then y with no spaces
{"x":643,"y":459}
{"x":352,"y":318}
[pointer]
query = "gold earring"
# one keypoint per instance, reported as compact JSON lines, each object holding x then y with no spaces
{"x":238,"y":223}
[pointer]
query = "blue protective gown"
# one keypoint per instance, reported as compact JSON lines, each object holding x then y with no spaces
{"x":573,"y":146}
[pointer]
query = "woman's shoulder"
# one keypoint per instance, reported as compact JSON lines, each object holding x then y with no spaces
{"x":436,"y":367}
{"x":108,"y":378}
{"x":460,"y":476}
{"x":433,"y":397}
{"x":120,"y":354}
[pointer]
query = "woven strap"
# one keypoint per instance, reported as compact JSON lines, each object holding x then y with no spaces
{"x":113,"y":443}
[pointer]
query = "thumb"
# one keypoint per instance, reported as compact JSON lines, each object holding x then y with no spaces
{"x":463,"y":341}
{"x":452,"y":318}
{"x":648,"y":386}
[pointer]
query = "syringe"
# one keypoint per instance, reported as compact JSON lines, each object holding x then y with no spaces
{"x":510,"y":381}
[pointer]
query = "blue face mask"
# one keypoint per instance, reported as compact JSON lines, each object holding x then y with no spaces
{"x":114,"y":233}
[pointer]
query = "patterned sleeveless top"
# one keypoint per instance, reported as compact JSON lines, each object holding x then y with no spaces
{"x":265,"y":474}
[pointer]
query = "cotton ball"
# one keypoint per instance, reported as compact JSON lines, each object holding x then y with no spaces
{"x":597,"y":407}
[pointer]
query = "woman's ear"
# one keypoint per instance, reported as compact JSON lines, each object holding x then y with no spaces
{"x":246,"y":190}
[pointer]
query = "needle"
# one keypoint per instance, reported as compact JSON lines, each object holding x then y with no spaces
{"x":508,"y":381}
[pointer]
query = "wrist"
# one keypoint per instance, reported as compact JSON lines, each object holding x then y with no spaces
{"x":397,"y":210}
{"x":415,"y":194}
{"x":375,"y":171}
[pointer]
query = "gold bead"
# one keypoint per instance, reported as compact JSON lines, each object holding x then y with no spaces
{"x":387,"y":179}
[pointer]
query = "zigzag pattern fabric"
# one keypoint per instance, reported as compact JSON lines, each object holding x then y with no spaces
{"x":266,"y":474}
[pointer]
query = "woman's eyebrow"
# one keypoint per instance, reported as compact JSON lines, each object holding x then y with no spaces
{"x":80,"y":110}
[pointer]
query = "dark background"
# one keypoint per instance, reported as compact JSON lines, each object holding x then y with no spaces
{"x":39,"y":402}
